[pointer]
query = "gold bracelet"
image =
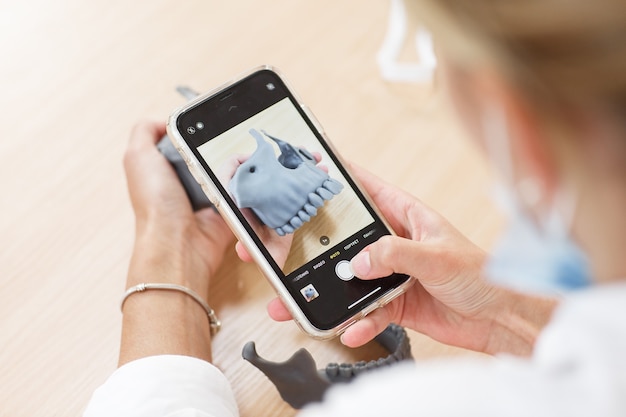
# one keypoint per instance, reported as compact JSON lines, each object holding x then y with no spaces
{"x":213,"y":320}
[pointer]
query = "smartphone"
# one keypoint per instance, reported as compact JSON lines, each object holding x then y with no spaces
{"x":267,"y":166}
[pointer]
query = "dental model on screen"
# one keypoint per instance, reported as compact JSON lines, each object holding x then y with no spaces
{"x":283,"y":192}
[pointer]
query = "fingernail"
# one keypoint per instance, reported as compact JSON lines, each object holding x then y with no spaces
{"x":361,"y":264}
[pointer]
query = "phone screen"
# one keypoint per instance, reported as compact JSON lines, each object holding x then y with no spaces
{"x":276,"y":171}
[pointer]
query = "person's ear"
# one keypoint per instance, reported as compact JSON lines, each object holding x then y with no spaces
{"x":532,"y":153}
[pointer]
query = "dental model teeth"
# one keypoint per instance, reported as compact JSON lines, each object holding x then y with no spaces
{"x":283,"y":192}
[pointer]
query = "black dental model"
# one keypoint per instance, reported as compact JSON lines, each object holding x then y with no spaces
{"x":298,"y":380}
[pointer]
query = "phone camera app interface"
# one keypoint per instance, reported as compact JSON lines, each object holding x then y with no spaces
{"x":284,"y":181}
{"x":289,"y":190}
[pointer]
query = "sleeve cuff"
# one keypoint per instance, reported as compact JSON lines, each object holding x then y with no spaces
{"x":164,"y":385}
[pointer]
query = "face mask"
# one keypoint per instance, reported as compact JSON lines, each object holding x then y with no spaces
{"x":532,"y":256}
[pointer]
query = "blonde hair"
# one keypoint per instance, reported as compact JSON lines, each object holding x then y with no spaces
{"x":570,"y":51}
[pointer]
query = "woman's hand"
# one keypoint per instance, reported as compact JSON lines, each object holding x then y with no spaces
{"x":450,"y":302}
{"x":173,"y":241}
{"x":172,"y":245}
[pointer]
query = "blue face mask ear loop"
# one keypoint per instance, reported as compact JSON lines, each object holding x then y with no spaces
{"x":501,"y":155}
{"x":499,"y":149}
{"x":553,"y":228}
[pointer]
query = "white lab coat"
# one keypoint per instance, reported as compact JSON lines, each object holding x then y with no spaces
{"x":578,"y":369}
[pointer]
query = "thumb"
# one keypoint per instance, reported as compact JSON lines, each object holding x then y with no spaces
{"x":388,"y":255}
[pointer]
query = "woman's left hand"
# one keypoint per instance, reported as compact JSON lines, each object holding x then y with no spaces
{"x":172,"y":243}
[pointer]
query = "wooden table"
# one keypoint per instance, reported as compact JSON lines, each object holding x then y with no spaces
{"x":76,"y":75}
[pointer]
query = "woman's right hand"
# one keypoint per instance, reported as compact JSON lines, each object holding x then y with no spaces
{"x":450,"y":301}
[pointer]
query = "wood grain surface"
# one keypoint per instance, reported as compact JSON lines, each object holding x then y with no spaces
{"x":75,"y":76}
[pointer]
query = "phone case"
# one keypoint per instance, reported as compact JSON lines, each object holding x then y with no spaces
{"x":240,"y":232}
